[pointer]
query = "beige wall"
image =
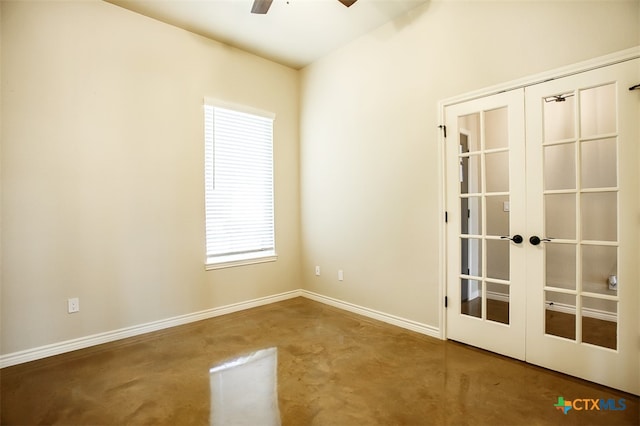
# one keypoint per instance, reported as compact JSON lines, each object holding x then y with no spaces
{"x":102,"y":170}
{"x":369,"y":142}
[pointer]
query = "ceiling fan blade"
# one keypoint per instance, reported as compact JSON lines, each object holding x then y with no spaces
{"x":261,"y":6}
{"x":347,"y":2}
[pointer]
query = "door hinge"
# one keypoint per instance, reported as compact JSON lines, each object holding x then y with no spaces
{"x":446,"y":301}
{"x":444,"y":129}
{"x":446,"y":217}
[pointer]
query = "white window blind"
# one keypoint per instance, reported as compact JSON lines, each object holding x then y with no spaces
{"x":238,"y":186}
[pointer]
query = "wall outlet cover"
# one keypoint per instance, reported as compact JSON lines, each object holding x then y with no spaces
{"x":73,"y":305}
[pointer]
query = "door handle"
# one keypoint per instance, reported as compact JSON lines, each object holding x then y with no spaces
{"x":535,"y":240}
{"x":516,"y":238}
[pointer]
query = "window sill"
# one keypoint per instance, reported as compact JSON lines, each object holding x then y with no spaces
{"x":233,"y":261}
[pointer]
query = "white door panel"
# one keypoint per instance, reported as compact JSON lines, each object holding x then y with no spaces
{"x":586,"y":201}
{"x":486,"y":271}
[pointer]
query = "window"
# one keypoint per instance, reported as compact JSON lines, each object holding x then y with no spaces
{"x":238,"y":186}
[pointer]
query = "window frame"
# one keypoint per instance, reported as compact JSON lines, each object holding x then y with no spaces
{"x":227,"y":261}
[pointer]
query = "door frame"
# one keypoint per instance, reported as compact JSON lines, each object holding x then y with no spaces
{"x":591,"y":64}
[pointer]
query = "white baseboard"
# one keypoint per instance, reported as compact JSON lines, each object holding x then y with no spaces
{"x":110,"y":336}
{"x":377,"y":315}
{"x":586,"y":312}
{"x":561,"y":307}
{"x":494,"y":295}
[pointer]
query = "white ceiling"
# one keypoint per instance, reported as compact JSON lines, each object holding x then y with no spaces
{"x":294,"y":32}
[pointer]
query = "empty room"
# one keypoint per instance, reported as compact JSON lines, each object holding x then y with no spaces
{"x":320,"y":212}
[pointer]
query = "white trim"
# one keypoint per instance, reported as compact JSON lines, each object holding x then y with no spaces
{"x":123,"y":333}
{"x":442,"y":231}
{"x":494,"y":295}
{"x":239,"y":107}
{"x":443,"y":210}
{"x":110,"y":336}
{"x":210,"y":265}
{"x":372,"y":313}
{"x":586,"y":312}
{"x":566,"y":71}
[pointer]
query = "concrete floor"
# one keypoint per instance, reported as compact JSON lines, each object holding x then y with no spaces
{"x":334,"y":368}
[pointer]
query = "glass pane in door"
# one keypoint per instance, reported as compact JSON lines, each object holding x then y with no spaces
{"x":469,"y":126}
{"x":600,"y":322}
{"x":471,"y":256}
{"x":559,"y":117}
{"x":599,"y":163}
{"x":496,"y":129}
{"x":498,"y":259}
{"x":560,"y":265}
{"x":560,"y":216}
{"x":598,"y":110}
{"x":560,"y":166}
{"x":498,"y":302}
{"x":599,"y":216}
{"x":471,"y":215}
{"x":498,"y":208}
{"x":470,"y":175}
{"x":560,"y":314}
{"x":471,"y":298}
{"x":599,"y":268}
{"x":497,"y":171}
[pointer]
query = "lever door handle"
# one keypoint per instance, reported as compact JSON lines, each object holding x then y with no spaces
{"x":516,"y":238}
{"x":535,"y":240}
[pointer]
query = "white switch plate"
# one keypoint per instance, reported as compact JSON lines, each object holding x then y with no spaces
{"x":73,"y":305}
{"x":317,"y":271}
{"x":506,"y":206}
{"x":340,"y":275}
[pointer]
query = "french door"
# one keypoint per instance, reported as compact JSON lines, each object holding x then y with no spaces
{"x":486,"y":205}
{"x":543,"y":231}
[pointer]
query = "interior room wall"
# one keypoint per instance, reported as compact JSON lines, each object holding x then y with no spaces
{"x":102,"y":170}
{"x":370,"y":165}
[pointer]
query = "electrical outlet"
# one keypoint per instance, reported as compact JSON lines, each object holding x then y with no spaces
{"x":73,"y":305}
{"x":317,"y":271}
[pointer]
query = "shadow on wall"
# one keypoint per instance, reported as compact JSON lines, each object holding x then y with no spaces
{"x":406,"y":19}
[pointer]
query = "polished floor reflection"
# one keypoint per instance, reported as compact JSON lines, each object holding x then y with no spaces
{"x":244,"y":390}
{"x":334,"y":368}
